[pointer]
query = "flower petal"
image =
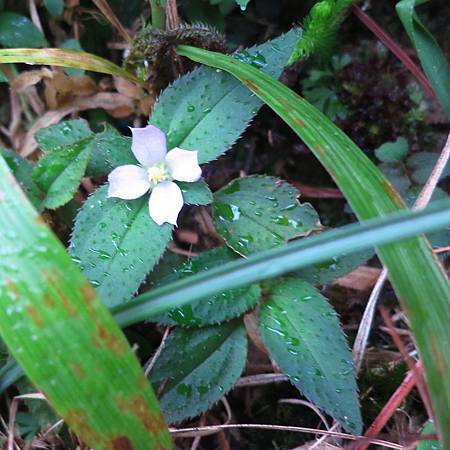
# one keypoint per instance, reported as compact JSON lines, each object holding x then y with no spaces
{"x":166,"y":201}
{"x":128,"y":182}
{"x":183,"y":165}
{"x":149,"y":144}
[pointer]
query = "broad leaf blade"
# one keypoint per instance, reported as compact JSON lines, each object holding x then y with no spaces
{"x":214,"y":309}
{"x":304,"y":337}
{"x":116,"y":244}
{"x":212,"y":360}
{"x":260,"y":212}
{"x":414,"y":270}
{"x":208,"y":110}
{"x":59,"y":172}
{"x":65,"y":339}
{"x":19,"y":31}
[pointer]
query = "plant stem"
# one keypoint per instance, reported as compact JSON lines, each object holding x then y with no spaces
{"x":158,"y":14}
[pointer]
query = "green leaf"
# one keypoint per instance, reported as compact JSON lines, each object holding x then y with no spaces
{"x":116,"y":243}
{"x":259,"y":212}
{"x":59,"y":172}
{"x":110,"y":150}
{"x":65,"y":339}
{"x":3,"y":78}
{"x":431,"y":57}
{"x":197,"y":193}
{"x":304,"y":337}
{"x":64,"y":133}
{"x":71,"y":44}
{"x":421,"y":164}
{"x":63,"y":58}
{"x":325,"y":271}
{"x":208,"y":110}
{"x":18,"y":31}
{"x":395,"y":151}
{"x":212,"y":360}
{"x":397,"y":175}
{"x":214,"y":309}
{"x":22,"y":171}
{"x":54,"y":7}
{"x":243,"y":4}
{"x":429,"y":445}
{"x":413,"y":269}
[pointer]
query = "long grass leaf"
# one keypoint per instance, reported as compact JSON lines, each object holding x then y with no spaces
{"x":64,"y":58}
{"x":65,"y":339}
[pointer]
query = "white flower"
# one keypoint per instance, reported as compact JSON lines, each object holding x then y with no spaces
{"x":155,"y":173}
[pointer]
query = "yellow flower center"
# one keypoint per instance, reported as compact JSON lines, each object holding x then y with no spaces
{"x":158,"y":173}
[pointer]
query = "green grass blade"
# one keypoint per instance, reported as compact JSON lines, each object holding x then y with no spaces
{"x":432,"y":58}
{"x":280,"y":260}
{"x":64,"y":58}
{"x":271,"y":263}
{"x":414,"y":270}
{"x":64,"y":337}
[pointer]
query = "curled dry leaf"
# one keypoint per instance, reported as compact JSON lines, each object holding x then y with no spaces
{"x":61,"y":89}
{"x":30,"y":78}
{"x":112,"y":102}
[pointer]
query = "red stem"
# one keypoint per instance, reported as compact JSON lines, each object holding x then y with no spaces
{"x":393,"y":47}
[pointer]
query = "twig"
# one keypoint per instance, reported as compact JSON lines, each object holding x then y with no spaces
{"x":393,"y":47}
{"x":195,"y":431}
{"x":150,"y":364}
{"x":297,"y":401}
{"x":109,"y":14}
{"x":261,"y":379}
{"x":35,"y":16}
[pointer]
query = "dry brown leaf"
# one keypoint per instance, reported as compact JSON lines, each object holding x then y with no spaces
{"x":61,"y":90}
{"x":30,"y":78}
{"x":360,"y":279}
{"x":128,"y":89}
{"x":109,"y":101}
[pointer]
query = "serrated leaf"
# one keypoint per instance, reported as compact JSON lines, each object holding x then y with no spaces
{"x":110,"y":150}
{"x":211,"y":361}
{"x":64,"y":133}
{"x":197,"y":193}
{"x":207,"y":110}
{"x":393,"y":151}
{"x":304,"y":337}
{"x":209,"y":310}
{"x":260,"y":212}
{"x":59,"y":172}
{"x":54,"y":7}
{"x":338,"y":266}
{"x":116,"y":243}
{"x":22,"y":171}
{"x":18,"y":31}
